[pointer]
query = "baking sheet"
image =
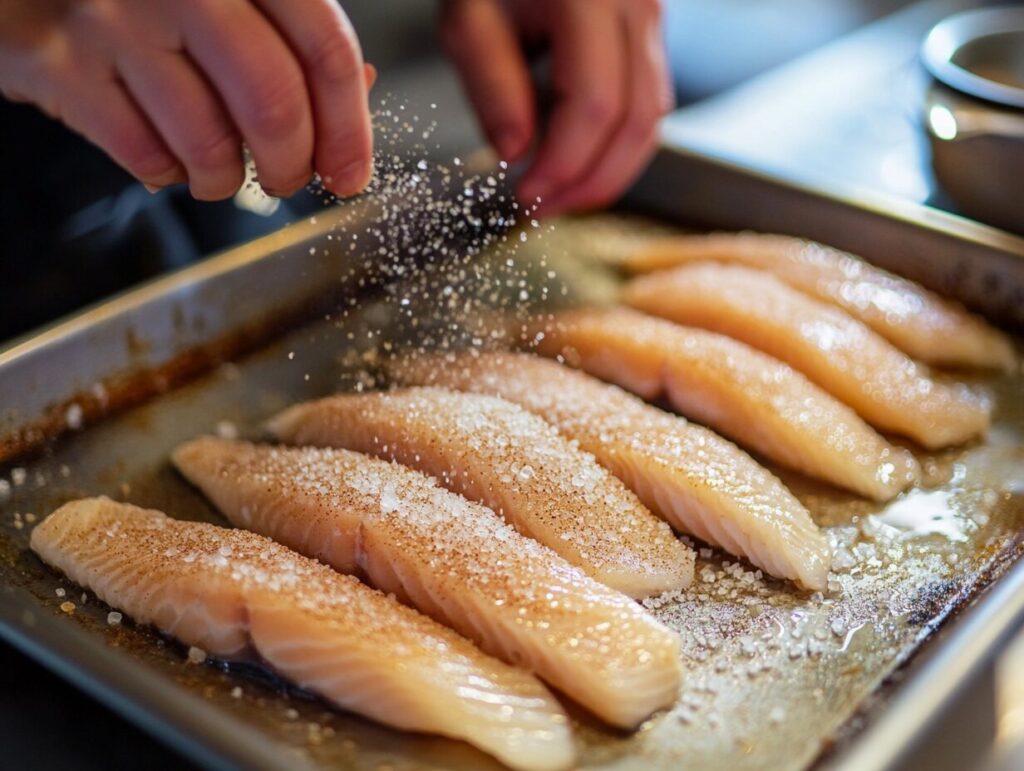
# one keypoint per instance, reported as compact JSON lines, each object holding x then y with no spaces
{"x":773,"y":675}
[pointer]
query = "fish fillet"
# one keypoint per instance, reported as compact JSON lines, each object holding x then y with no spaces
{"x":752,"y":398}
{"x":832,"y":349}
{"x":691,"y":477}
{"x":454,"y":560}
{"x":915,"y":320}
{"x":236,"y":594}
{"x":497,"y":453}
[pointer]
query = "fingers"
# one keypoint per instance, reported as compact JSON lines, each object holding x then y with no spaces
{"x":634,"y":140}
{"x":262,"y":86}
{"x":107,"y":116}
{"x":480,"y":40}
{"x":326,"y":46}
{"x":202,"y":136}
{"x":588,"y":66}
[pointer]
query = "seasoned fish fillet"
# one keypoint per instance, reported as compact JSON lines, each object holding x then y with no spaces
{"x":691,"y":477}
{"x":236,"y":594}
{"x":495,"y":452}
{"x":833,"y":350}
{"x":752,"y":398}
{"x":454,"y":560}
{"x":918,"y":322}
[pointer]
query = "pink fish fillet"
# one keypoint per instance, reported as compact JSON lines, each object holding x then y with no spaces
{"x":834,"y":350}
{"x":237,"y":595}
{"x":455,"y":560}
{"x":746,"y":395}
{"x":918,"y":322}
{"x":694,"y":479}
{"x":497,"y":453}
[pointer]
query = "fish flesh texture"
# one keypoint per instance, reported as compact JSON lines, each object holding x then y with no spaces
{"x":838,"y":353}
{"x":694,"y":479}
{"x":452,"y":559}
{"x":497,"y":453}
{"x":239,"y":596}
{"x":742,"y":393}
{"x":920,"y":323}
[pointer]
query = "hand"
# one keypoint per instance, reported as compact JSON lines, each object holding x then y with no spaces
{"x":611,"y":85}
{"x":171,"y":88}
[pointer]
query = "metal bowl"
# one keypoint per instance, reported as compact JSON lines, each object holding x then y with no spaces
{"x":974,"y":112}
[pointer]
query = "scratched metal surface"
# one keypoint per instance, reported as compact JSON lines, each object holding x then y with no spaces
{"x":773,"y":675}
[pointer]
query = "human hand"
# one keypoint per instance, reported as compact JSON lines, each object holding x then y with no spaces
{"x":611,"y":85}
{"x":171,"y":89}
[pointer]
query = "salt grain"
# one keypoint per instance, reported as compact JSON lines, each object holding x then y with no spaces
{"x":196,"y":655}
{"x":73,"y":416}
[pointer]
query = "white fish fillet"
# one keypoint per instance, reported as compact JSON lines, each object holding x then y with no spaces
{"x":495,"y":452}
{"x":834,"y":350}
{"x":691,"y":477}
{"x":454,"y":560}
{"x":234,"y":594}
{"x":915,"y":320}
{"x":750,"y":397}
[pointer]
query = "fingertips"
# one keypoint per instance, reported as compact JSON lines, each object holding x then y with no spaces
{"x":203,"y":137}
{"x":627,"y":149}
{"x":479,"y":37}
{"x":106,"y":115}
{"x":588,"y":75}
{"x":260,"y":83}
{"x":338,"y":80}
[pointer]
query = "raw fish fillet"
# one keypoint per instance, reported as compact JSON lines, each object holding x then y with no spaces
{"x":832,"y":349}
{"x":497,"y":453}
{"x":238,"y":595}
{"x":752,"y":398}
{"x":915,"y":320}
{"x":454,"y":560}
{"x":691,"y":477}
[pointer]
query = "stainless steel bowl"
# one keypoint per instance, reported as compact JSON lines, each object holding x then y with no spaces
{"x":974,"y":112}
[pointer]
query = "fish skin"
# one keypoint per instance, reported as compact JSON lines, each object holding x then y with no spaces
{"x":835,"y":351}
{"x":755,"y":400}
{"x":454,"y":560}
{"x":236,"y":594}
{"x":497,"y":453}
{"x":697,"y":481}
{"x":919,"y":322}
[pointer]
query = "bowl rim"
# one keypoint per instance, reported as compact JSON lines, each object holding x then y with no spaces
{"x":954,"y":32}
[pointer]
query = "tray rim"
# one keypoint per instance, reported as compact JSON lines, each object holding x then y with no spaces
{"x":941,"y":666}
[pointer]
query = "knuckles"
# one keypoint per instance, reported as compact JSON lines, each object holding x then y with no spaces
{"x":212,"y":148}
{"x":275,"y":105}
{"x":600,"y":109}
{"x":336,"y":60}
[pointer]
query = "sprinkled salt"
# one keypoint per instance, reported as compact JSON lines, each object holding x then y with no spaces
{"x":196,"y":655}
{"x":73,"y":416}
{"x":114,"y":618}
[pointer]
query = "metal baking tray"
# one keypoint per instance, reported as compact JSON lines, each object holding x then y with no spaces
{"x":776,"y":679}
